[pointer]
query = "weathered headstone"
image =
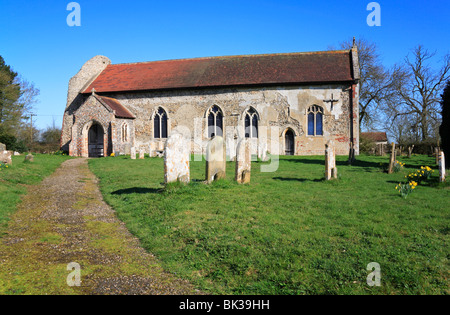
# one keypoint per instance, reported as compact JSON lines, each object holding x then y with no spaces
{"x":2,"y":147}
{"x":243,"y":162}
{"x":262,"y":152}
{"x":152,"y":149}
{"x":330,"y":161}
{"x":29,"y":157}
{"x":5,"y":157}
{"x":215,"y":159}
{"x":127,"y":149}
{"x":231,"y":149}
{"x":177,"y":154}
{"x":133,"y":153}
{"x":441,"y":167}
{"x":141,"y":153}
{"x":392,"y":159}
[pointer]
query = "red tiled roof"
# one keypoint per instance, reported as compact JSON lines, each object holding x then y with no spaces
{"x":120,"y":110}
{"x":293,"y":68}
{"x":375,"y":136}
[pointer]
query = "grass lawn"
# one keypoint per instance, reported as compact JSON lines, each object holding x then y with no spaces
{"x":15,"y":179}
{"x":288,"y":232}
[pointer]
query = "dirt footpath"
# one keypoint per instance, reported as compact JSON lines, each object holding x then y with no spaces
{"x":63,"y":221}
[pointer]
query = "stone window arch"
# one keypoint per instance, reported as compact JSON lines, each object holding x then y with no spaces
{"x":251,"y":122}
{"x":160,"y":124}
{"x":315,"y":121}
{"x":125,"y":132}
{"x":215,"y":121}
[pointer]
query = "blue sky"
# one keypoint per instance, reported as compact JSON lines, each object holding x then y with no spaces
{"x":37,"y":42}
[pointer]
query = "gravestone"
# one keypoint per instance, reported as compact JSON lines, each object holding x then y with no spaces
{"x":231,"y":149}
{"x":330,"y":161}
{"x":243,"y":162}
{"x":177,"y":154}
{"x":441,"y":167}
{"x":5,"y":157}
{"x":262,"y":152}
{"x":133,"y":153}
{"x":152,"y":149}
{"x":141,"y":153}
{"x":2,"y":147}
{"x":215,"y":159}
{"x":29,"y":158}
{"x":127,"y":149}
{"x":392,"y":159}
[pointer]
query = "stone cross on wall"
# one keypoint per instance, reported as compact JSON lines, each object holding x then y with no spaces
{"x":330,"y":161}
{"x":441,"y":167}
{"x":177,"y":154}
{"x":332,"y":101}
{"x":215,"y":159}
{"x":243,"y":162}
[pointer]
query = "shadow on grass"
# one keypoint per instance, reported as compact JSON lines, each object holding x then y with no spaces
{"x":357,"y":163}
{"x":432,"y":182}
{"x":290,"y":179}
{"x":137,"y":190}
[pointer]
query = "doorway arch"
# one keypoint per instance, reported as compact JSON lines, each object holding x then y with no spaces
{"x":289,"y":142}
{"x":96,"y":141}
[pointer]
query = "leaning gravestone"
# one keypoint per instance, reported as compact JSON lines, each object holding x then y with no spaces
{"x":243,"y":162}
{"x":441,"y":167}
{"x":215,"y":160}
{"x":177,"y":154}
{"x":330,"y":161}
{"x":133,"y":153}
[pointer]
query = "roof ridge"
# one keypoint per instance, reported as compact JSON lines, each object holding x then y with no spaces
{"x":237,"y":56}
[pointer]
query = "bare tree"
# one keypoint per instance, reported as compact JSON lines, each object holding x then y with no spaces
{"x":419,"y":91}
{"x":376,"y":84}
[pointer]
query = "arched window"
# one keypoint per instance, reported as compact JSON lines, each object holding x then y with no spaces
{"x":160,"y":124}
{"x":215,"y":122}
{"x":251,"y":123}
{"x":125,"y":132}
{"x":315,"y":121}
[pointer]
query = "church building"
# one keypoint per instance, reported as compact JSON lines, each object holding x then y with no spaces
{"x":285,"y":104}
